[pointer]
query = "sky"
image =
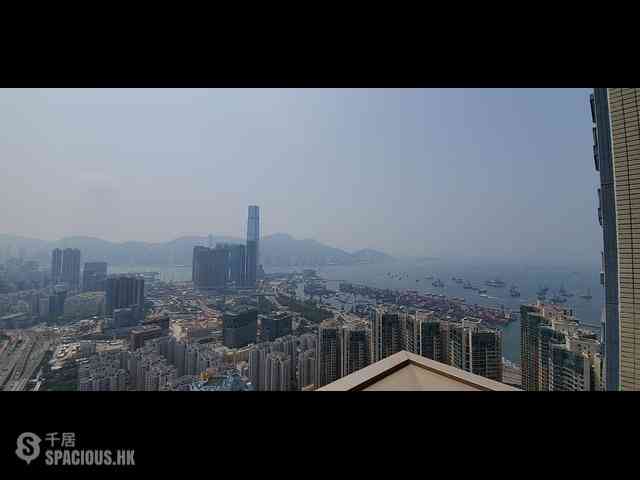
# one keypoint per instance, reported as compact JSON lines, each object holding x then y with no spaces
{"x":412,"y":172}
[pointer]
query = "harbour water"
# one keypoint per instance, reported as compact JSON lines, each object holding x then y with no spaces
{"x":576,"y":279}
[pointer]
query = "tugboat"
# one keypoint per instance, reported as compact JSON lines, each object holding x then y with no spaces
{"x":513,"y":291}
{"x":587,"y":296}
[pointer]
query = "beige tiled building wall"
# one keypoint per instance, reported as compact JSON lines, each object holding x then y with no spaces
{"x":624,"y":109}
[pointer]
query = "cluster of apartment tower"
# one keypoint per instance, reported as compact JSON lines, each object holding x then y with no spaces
{"x":465,"y":344}
{"x":342,"y":347}
{"x":556,"y":353}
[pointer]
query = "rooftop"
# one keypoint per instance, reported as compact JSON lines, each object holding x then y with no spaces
{"x":407,"y":371}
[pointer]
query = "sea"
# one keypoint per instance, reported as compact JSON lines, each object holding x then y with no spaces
{"x":527,"y":276}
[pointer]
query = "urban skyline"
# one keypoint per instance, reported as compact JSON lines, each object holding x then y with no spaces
{"x":234,"y":325}
{"x":365,"y":162}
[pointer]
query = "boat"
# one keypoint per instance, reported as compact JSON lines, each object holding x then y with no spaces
{"x":562,"y":292}
{"x":438,"y":283}
{"x":430,"y":277}
{"x":513,"y":291}
{"x":482,"y":291}
{"x":467,"y":285}
{"x":587,"y":296}
{"x":497,"y":283}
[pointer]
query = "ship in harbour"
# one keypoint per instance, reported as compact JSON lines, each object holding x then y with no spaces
{"x":562,"y":292}
{"x":438,"y":283}
{"x":587,"y":296}
{"x":497,"y":283}
{"x":558,"y":299}
{"x":467,"y":285}
{"x":513,"y":291}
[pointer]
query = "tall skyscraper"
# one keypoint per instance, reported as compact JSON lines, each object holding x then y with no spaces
{"x":124,"y":291}
{"x":328,"y":353}
{"x":220,"y":259}
{"x":238,"y":264}
{"x":387,"y":332}
{"x":215,"y":267}
{"x":356,"y":349}
{"x":71,"y":267}
{"x":253,"y":239}
{"x":202,"y":267}
{"x":616,"y":136}
{"x":56,"y":266}
{"x":94,"y":276}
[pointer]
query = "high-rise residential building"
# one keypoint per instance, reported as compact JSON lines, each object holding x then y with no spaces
{"x":432,"y":338}
{"x":277,"y":372}
{"x":306,"y":371}
{"x":71,"y":267}
{"x":328,"y":352}
{"x":240,"y":327}
{"x":56,"y":266}
{"x":387,"y":332}
{"x":124,"y":291}
{"x":476,"y":349}
{"x":94,"y":276}
{"x":238,"y":264}
{"x":253,"y":239}
{"x":257,"y":365}
{"x":556,"y":354}
{"x":355,"y":349}
{"x":616,"y":136}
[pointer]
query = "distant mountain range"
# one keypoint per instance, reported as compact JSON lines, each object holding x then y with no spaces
{"x":278,"y":250}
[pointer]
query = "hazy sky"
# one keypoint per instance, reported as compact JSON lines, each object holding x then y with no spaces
{"x":490,"y":172}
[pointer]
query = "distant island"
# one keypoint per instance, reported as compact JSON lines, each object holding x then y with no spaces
{"x":278,"y":250}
